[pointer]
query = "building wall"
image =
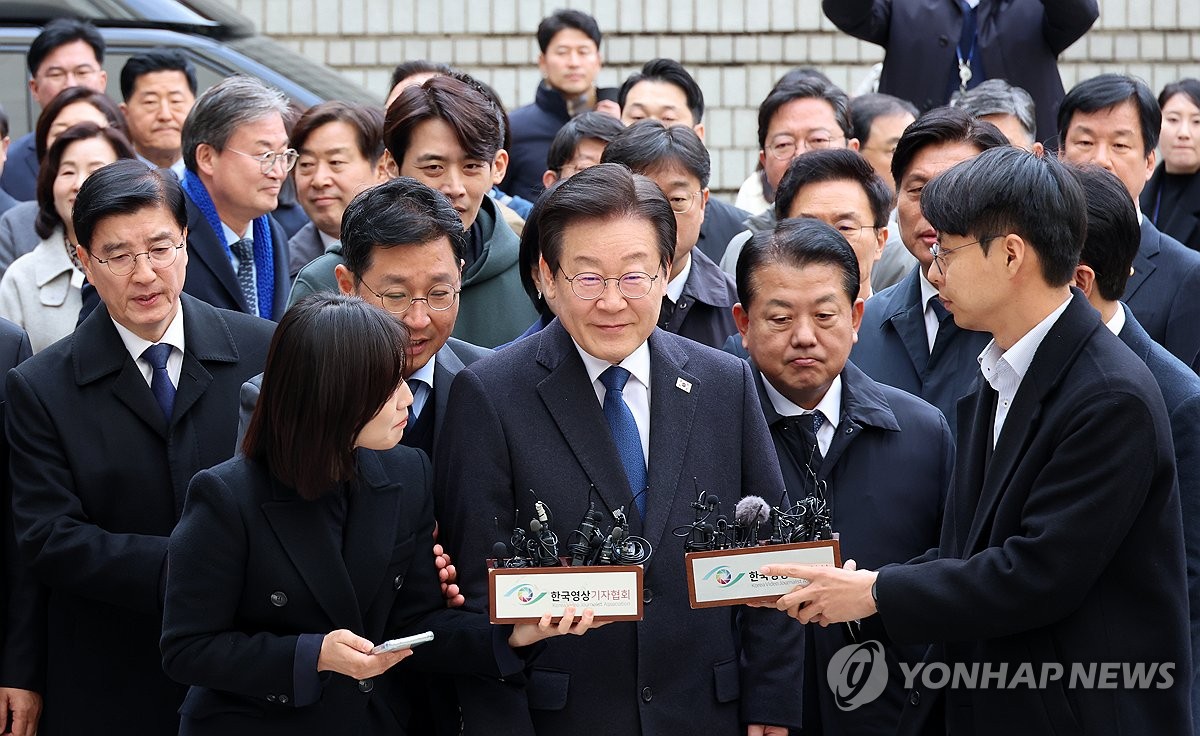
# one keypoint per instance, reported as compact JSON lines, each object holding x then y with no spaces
{"x":736,"y":49}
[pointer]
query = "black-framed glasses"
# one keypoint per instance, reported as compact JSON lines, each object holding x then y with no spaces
{"x":158,"y":257}
{"x":266,"y":161}
{"x":589,"y":286}
{"x":939,"y":253}
{"x":439,"y":298}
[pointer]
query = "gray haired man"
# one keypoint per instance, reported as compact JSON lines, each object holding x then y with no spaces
{"x":236,"y":154}
{"x":1009,"y":108}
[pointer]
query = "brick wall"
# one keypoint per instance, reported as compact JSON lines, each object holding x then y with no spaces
{"x":735,"y":48}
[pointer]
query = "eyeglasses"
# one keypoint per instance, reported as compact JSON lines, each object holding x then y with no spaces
{"x":439,"y":298}
{"x":632,"y":285}
{"x":82,"y":74}
{"x":785,"y":149}
{"x":940,"y":253}
{"x":266,"y":161}
{"x":124,"y":264}
{"x":681,"y":204}
{"x":850,"y":231}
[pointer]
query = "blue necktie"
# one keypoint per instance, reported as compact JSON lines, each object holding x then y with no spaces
{"x":625,"y":433}
{"x":160,"y":381}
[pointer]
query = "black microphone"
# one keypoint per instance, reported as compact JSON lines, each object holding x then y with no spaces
{"x":749,"y":514}
{"x":586,"y":540}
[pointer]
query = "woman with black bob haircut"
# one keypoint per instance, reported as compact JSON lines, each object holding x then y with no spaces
{"x":291,"y":562}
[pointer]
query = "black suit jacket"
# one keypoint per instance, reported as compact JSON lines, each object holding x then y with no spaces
{"x":99,"y":479}
{"x":20,"y":174}
{"x":1065,"y":547}
{"x":210,"y":275}
{"x":527,"y":418}
{"x":254,"y":566}
{"x":1018,"y":40}
{"x":18,"y":586}
{"x":1183,"y":221}
{"x":1162,"y":293}
{"x":721,"y":223}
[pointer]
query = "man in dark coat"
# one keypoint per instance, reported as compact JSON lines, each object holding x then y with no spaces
{"x":107,"y":428}
{"x":929,"y":42}
{"x":1065,"y":506}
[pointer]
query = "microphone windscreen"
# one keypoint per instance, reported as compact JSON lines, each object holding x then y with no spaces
{"x":711,"y":500}
{"x":535,"y":526}
{"x":751,"y":510}
{"x":499,"y":550}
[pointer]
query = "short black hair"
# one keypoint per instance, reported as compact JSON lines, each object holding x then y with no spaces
{"x":939,"y":126}
{"x":334,"y":361}
{"x":530,"y":251}
{"x":123,"y":188}
{"x":605,"y":192}
{"x":804,"y":86}
{"x":70,"y":96}
{"x":464,"y":106}
{"x":399,"y":212}
{"x":648,"y":146}
{"x":1009,"y":190}
{"x":834,"y":164}
{"x":1108,"y":91}
{"x":60,"y":32}
{"x":406,"y":69}
{"x":563,"y":19}
{"x":1113,"y":232}
{"x":865,"y":108}
{"x":3,"y":123}
{"x":1189,"y":88}
{"x":797,"y":243}
{"x":48,"y":219}
{"x":670,"y":72}
{"x":589,"y":124}
{"x":160,"y":59}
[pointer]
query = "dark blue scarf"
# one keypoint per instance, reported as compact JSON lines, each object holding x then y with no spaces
{"x":264,"y":251}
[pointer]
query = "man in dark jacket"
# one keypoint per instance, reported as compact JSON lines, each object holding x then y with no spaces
{"x":931,"y":45}
{"x":569,"y":62}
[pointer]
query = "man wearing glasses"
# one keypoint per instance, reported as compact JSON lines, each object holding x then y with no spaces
{"x":699,"y":296}
{"x":107,"y":428}
{"x":235,"y":149}
{"x":67,"y":53}
{"x":601,"y":408}
{"x":907,"y":338}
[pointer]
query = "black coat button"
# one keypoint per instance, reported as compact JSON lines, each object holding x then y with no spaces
{"x":943,"y":41}
{"x":279,"y":599}
{"x":271,"y":698}
{"x":283,"y":700}
{"x":366,"y":686}
{"x":647,"y":595}
{"x":914,"y":698}
{"x":647,"y":695}
{"x":398,"y":581}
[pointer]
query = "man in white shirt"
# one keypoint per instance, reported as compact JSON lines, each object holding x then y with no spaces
{"x":1065,"y":507}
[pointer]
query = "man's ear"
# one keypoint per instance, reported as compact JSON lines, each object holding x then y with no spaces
{"x":741,"y":320}
{"x":205,"y":154}
{"x":699,"y":128}
{"x":345,"y":279}
{"x":852,"y":144}
{"x":1085,"y":279}
{"x":499,"y":166}
{"x":548,"y":178}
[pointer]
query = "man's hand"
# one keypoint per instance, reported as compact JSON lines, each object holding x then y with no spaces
{"x":447,"y":574}
{"x":609,"y":107}
{"x":25,"y":707}
{"x":525,"y":634}
{"x":827,"y":594}
{"x":349,"y":654}
{"x":756,"y":730}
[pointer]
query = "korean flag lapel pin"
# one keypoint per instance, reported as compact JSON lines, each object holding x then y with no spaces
{"x":685,"y":386}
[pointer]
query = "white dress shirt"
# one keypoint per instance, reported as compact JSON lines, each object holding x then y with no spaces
{"x":173,"y":337}
{"x":928,"y":292}
{"x":675,"y":285}
{"x":636,"y":392}
{"x":1005,"y":369}
{"x":830,"y":405}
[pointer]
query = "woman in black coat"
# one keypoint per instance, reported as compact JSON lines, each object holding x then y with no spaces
{"x":289,"y":564}
{"x":1171,"y":198}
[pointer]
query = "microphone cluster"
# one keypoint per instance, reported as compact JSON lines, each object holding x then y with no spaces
{"x":589,"y":544}
{"x":755,"y":522}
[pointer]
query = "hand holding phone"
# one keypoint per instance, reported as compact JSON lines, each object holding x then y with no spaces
{"x":407,"y":642}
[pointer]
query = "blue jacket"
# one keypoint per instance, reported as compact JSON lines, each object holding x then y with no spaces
{"x":1162,"y":293}
{"x":893,"y":348}
{"x":21,"y":171}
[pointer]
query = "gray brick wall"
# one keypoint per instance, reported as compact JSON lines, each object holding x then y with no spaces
{"x":735,"y":48}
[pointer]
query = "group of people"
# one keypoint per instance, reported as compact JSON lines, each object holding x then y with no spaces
{"x":280,"y":380}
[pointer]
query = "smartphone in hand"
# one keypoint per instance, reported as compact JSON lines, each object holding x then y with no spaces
{"x":407,"y":642}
